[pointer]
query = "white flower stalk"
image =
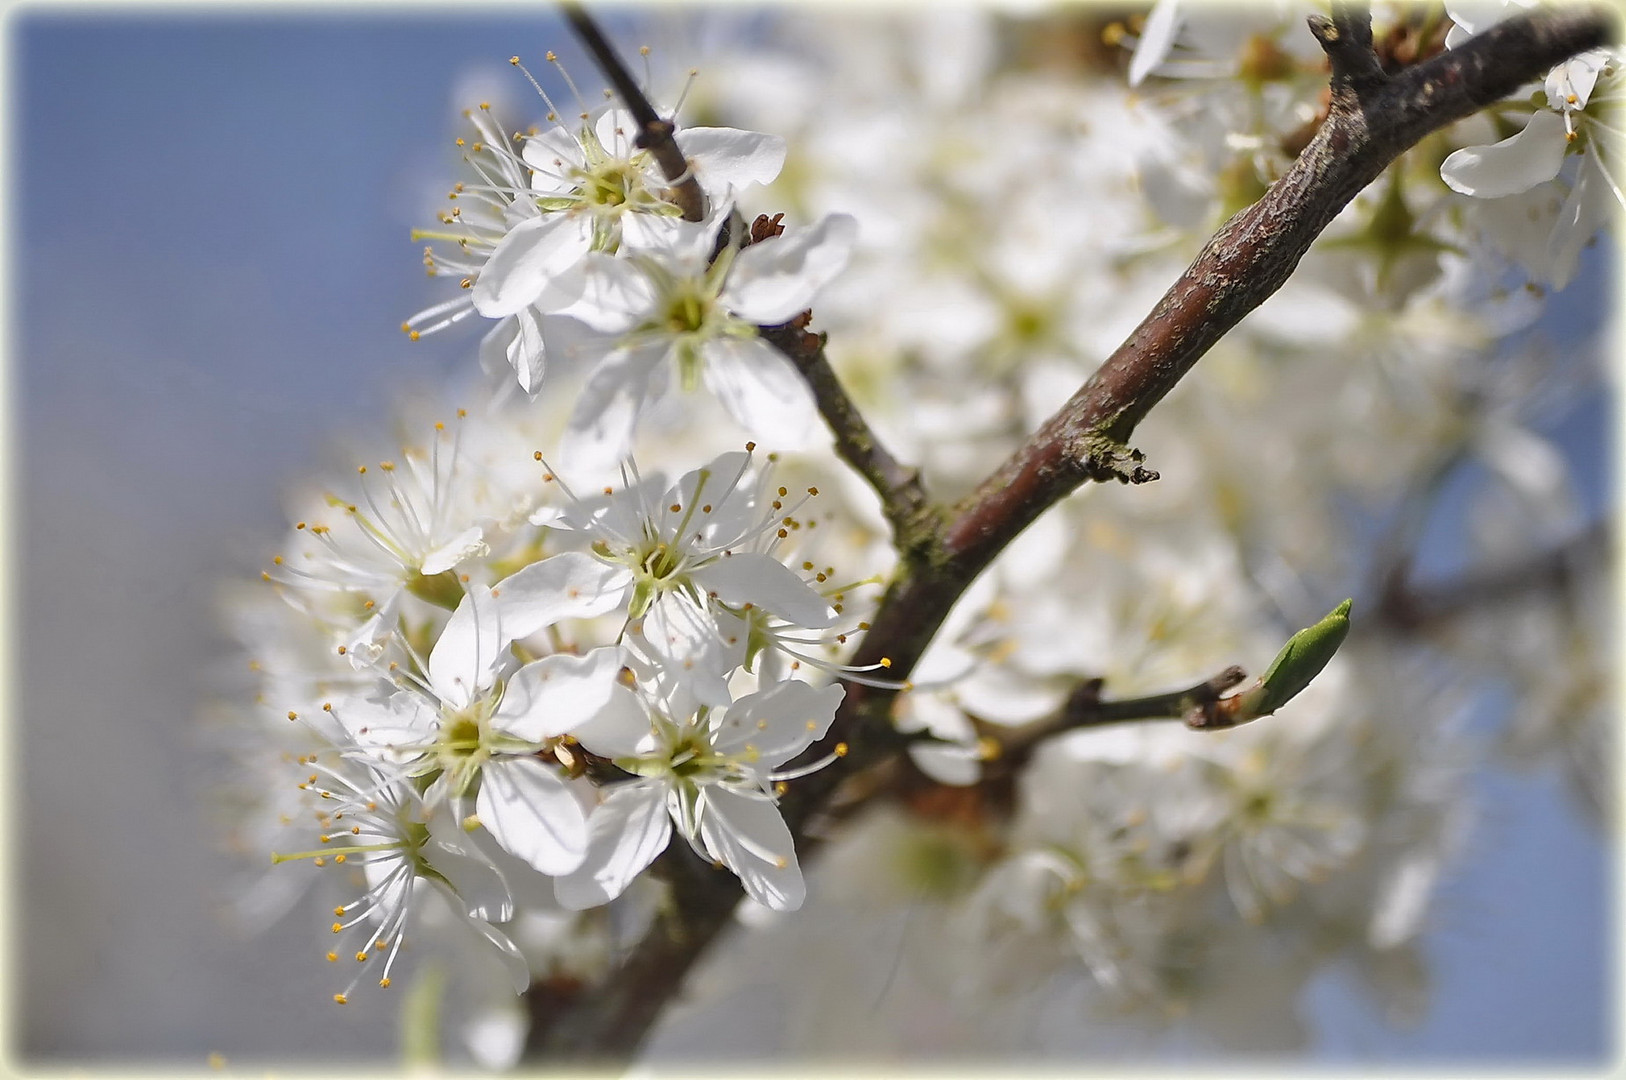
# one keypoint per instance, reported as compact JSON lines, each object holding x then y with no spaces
{"x":713,"y":776}
{"x":673,"y":314}
{"x":477,"y":724}
{"x":407,"y":848}
{"x":567,"y":191}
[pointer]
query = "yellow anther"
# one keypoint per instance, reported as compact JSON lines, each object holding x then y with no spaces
{"x":332,"y":957}
{"x":361,"y":958}
{"x":319,"y":861}
{"x":886,"y":661}
{"x":292,"y":715}
{"x":340,"y":999}
{"x":551,"y":58}
{"x":405,"y":329}
{"x":514,"y":60}
{"x":384,"y":982}
{"x":840,"y":750}
{"x":337,"y":927}
{"x":338,"y":858}
{"x":988,"y":749}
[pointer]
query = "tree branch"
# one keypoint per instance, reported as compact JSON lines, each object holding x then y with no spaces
{"x":1371,"y":121}
{"x":903,"y":498}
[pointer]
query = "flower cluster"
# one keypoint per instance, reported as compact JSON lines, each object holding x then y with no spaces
{"x":501,"y":669}
{"x":575,"y":243}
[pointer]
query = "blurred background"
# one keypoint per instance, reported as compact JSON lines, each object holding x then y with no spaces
{"x":209,"y":265}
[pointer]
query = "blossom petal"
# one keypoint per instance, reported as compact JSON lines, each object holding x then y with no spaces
{"x":749,"y":577}
{"x":464,"y":660}
{"x":1156,"y":39}
{"x":465,"y":545}
{"x":724,"y":158}
{"x":617,"y":393}
{"x":778,"y":723}
{"x":555,"y":694}
{"x":528,"y":809}
{"x":627,"y":830}
{"x":761,"y":390}
{"x":619,"y":729}
{"x":1515,"y":164}
{"x":771,"y":281}
{"x":520,"y":267}
{"x":749,"y":836}
{"x":572,"y":585}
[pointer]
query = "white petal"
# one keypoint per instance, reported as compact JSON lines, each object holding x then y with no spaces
{"x":1586,"y":209}
{"x":464,"y":660}
{"x":394,"y":730}
{"x":527,"y":808}
{"x":762,"y":390}
{"x":753,"y":578}
{"x":523,"y":263}
{"x":724,"y":158}
{"x":619,"y":729}
{"x":465,"y":545}
{"x":778,"y":723}
{"x":1515,"y":164}
{"x":628,"y":830}
{"x":556,"y":694}
{"x":1156,"y":39}
{"x":617,"y":393}
{"x":772,"y":281}
{"x":552,"y":153}
{"x":478,"y":883}
{"x":750,"y":838}
{"x":572,"y":585}
{"x":528,"y":351}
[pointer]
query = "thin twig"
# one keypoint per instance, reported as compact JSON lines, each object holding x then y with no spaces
{"x":654,"y":133}
{"x":903,"y":498}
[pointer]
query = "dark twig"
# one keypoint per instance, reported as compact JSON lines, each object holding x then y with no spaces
{"x":1086,"y":708}
{"x":1414,"y":608}
{"x":654,"y":133}
{"x":903,"y":498}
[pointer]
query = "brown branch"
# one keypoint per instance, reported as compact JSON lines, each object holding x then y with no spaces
{"x":654,"y":133}
{"x":1086,"y":708}
{"x":1413,"y":608}
{"x":903,"y":498}
{"x":1372,"y":119}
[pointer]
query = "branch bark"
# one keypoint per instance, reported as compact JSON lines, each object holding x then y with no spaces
{"x":1372,"y":119}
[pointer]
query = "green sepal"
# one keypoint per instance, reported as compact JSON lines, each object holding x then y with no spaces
{"x":1301,"y":660}
{"x":442,"y":589}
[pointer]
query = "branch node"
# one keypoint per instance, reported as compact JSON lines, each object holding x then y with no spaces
{"x":1346,"y":38}
{"x":1103,"y":458}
